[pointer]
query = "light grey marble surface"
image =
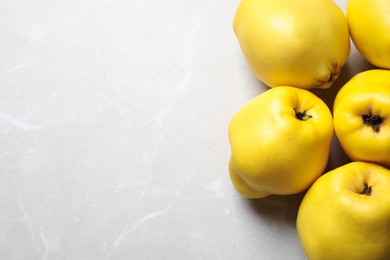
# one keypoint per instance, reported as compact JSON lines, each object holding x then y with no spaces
{"x":113,"y":134}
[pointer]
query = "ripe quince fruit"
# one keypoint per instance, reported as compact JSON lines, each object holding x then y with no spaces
{"x":361,"y":112}
{"x":300,"y":43}
{"x":346,"y":214}
{"x":280,"y":142}
{"x":369,"y":26}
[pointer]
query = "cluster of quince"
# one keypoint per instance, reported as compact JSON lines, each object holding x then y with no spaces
{"x":281,"y":140}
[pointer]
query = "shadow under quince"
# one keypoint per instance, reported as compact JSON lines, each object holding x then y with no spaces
{"x":277,"y":208}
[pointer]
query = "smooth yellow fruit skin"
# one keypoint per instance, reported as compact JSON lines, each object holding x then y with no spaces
{"x":300,"y":43}
{"x":366,"y":93}
{"x":336,"y":222}
{"x":369,"y":26}
{"x":272,"y":151}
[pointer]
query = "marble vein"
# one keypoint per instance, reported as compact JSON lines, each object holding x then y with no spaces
{"x":19,"y":123}
{"x":27,"y":219}
{"x":127,"y":230}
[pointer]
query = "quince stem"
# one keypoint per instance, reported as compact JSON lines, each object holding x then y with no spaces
{"x":373,"y":121}
{"x":367,"y":190}
{"x":302,"y":115}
